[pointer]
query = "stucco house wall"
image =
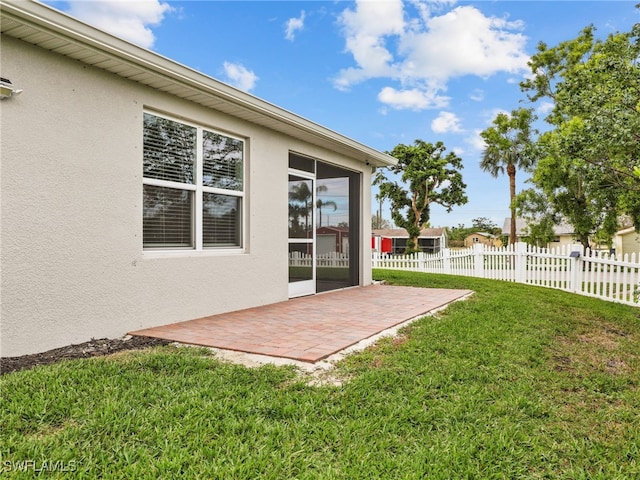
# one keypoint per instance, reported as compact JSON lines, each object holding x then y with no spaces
{"x":73,"y":265}
{"x":627,"y":241}
{"x":483,"y":238}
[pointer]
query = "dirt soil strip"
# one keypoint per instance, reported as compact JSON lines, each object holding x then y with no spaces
{"x":92,"y":348}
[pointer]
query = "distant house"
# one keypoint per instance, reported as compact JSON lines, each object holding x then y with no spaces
{"x":332,"y":240}
{"x":394,"y":240}
{"x":626,"y":240}
{"x":563,"y":233}
{"x":138,"y":192}
{"x":483,"y":238}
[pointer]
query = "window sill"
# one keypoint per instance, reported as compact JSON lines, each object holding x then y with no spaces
{"x":176,"y":253}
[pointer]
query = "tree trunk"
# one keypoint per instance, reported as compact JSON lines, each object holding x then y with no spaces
{"x":412,"y":245}
{"x":584,"y":240}
{"x":511,"y":171}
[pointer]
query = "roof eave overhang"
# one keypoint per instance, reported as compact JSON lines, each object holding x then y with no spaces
{"x":48,"y":28}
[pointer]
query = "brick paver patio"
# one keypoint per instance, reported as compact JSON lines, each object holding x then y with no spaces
{"x":309,"y":328}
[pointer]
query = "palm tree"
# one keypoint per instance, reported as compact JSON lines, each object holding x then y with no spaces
{"x":508,"y":143}
{"x":300,"y":196}
{"x":324,"y":203}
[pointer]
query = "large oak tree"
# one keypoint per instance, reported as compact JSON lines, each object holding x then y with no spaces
{"x":590,"y":155}
{"x":427,"y":176}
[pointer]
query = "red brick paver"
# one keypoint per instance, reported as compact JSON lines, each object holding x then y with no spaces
{"x":309,"y":328}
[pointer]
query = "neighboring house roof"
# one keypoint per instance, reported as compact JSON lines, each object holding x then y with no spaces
{"x":402,"y":233}
{"x":521,"y":228}
{"x":520,"y":225}
{"x":333,"y":229}
{"x":41,"y":25}
{"x":483,"y":234}
{"x":626,"y":231}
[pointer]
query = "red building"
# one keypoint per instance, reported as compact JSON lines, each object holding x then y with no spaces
{"x":394,"y":240}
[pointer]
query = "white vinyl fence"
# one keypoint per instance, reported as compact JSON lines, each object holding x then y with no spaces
{"x":331,"y":259}
{"x":569,"y":268}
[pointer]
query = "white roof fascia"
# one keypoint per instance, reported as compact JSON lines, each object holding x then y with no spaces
{"x":58,"y":25}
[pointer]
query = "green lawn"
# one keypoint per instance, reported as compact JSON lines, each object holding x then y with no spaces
{"x":516,"y":382}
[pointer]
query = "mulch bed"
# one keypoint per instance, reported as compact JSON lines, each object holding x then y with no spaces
{"x":92,"y":348}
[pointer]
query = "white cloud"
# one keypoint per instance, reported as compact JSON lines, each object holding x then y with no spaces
{"x":239,"y":76}
{"x":123,"y":18}
{"x":464,"y":42}
{"x":425,"y":51}
{"x":414,"y":99}
{"x":426,"y":8}
{"x":293,"y":25}
{"x":476,"y":141}
{"x":365,"y":29}
{"x":477,"y":95}
{"x":446,"y":122}
{"x":545,"y":107}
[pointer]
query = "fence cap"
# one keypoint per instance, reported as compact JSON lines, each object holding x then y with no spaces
{"x":574,"y":254}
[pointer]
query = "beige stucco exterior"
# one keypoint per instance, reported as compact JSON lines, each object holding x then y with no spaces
{"x":562,"y":240}
{"x":627,"y":241}
{"x":482,"y":238}
{"x":73,"y":266}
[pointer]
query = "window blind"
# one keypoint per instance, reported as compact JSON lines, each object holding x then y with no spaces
{"x":167,"y":217}
{"x":220,"y":220}
{"x":193,"y":194}
{"x":169,"y":150}
{"x":222,"y":161}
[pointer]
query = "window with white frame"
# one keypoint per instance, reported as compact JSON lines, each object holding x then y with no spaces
{"x":193,"y":189}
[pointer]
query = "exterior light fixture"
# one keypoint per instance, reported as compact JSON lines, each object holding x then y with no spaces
{"x":7,"y":89}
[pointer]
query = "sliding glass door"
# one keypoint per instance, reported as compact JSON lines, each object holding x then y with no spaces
{"x":324,"y":226}
{"x":301,"y":234}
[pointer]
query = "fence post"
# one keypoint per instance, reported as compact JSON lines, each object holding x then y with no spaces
{"x":520,"y":252}
{"x":575,"y":255}
{"x":478,"y":257}
{"x":446,"y":260}
{"x":423,"y":262}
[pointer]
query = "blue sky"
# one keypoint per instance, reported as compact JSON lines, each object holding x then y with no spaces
{"x":382,"y":72}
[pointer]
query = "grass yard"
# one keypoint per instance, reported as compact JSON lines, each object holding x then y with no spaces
{"x":517,"y":382}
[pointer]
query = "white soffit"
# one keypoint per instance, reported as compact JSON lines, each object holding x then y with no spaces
{"x":40,"y":25}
